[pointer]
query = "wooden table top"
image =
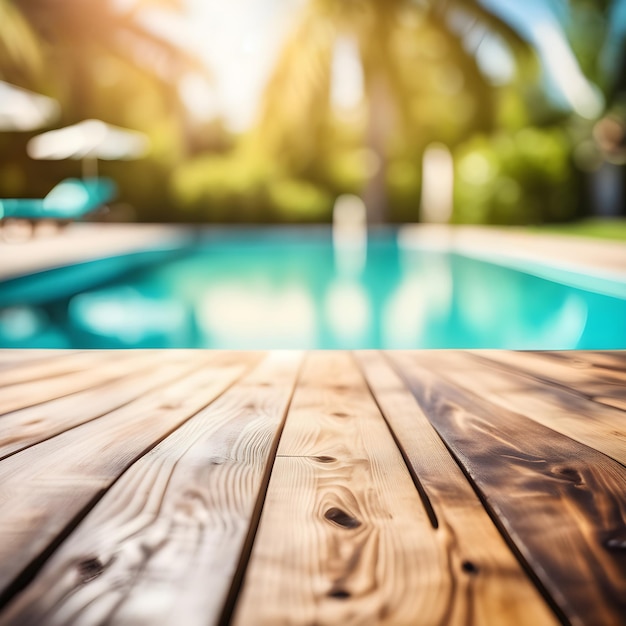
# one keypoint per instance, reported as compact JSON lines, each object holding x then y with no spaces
{"x":206,"y":487}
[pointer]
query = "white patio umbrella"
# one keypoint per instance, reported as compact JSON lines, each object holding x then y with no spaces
{"x":89,"y":141}
{"x":25,"y":110}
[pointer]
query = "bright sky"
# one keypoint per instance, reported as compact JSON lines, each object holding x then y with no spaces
{"x":535,"y":21}
{"x":240,"y":40}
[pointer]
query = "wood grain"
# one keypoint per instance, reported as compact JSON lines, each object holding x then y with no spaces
{"x":163,"y":544}
{"x":600,"y":377}
{"x":17,"y":357}
{"x":562,"y":504}
{"x":549,"y":403}
{"x":50,"y":364}
{"x":45,"y":487}
{"x":344,"y":537}
{"x":101,"y":367}
{"x":407,"y":488}
{"x":495,"y":589}
{"x":23,"y":428}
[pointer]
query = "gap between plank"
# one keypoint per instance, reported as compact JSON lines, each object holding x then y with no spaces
{"x":560,"y":615}
{"x":65,"y":394}
{"x":530,"y":375}
{"x":44,"y":358}
{"x":30,"y":571}
{"x":255,"y":519}
{"x":150,"y":370}
{"x":421,"y":490}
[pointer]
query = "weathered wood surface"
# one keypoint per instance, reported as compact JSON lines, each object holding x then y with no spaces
{"x":173,"y":526}
{"x":563,"y":504}
{"x":597,"y":376}
{"x":133,"y":378}
{"x":99,"y":368}
{"x":346,"y":538}
{"x":495,"y":589}
{"x":44,"y":488}
{"x":542,"y":398}
{"x":197,"y":487}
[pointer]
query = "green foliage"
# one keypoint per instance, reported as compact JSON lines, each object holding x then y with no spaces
{"x":299,"y":200}
{"x":598,"y":228}
{"x":236,"y":187}
{"x":422,"y":83}
{"x":519,"y":178}
{"x":403,"y":186}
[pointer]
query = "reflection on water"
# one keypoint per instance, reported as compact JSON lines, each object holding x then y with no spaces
{"x":349,"y":236}
{"x":278,"y":293}
{"x":347,"y":311}
{"x":123,"y":317}
{"x":422,"y":301}
{"x":247,"y":316}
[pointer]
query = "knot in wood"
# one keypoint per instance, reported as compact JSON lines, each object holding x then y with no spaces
{"x":341,"y":518}
{"x":88,"y":569}
{"x":325,"y":459}
{"x":569,"y":473}
{"x":339,"y":594}
{"x":469,"y":568}
{"x":616,"y":544}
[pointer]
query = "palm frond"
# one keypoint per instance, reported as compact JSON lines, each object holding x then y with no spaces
{"x":20,"y":50}
{"x":297,"y":94}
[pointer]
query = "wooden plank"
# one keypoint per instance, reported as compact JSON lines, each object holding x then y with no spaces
{"x":496,"y":589}
{"x":26,"y":427}
{"x":562,"y":504}
{"x":15,"y":357}
{"x":46,"y":488}
{"x":163,"y":544}
{"x":553,"y":405}
{"x":599,"y":376}
{"x":100,"y":368}
{"x":344,"y":537}
{"x":80,"y":242}
{"x":614,"y":360}
{"x":49,"y":364}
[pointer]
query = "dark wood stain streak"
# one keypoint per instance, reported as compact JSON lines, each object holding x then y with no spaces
{"x":559,"y":501}
{"x":613,"y":361}
{"x":576,"y":376}
{"x":484,"y":574}
{"x":598,"y":426}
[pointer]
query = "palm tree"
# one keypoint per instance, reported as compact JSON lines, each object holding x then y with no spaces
{"x":56,"y":46}
{"x":405,"y":47}
{"x":99,"y":58}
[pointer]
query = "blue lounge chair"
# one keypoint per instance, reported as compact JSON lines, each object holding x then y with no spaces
{"x":71,"y":199}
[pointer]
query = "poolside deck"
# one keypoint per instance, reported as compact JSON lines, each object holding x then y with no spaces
{"x":200,"y":487}
{"x":87,"y":241}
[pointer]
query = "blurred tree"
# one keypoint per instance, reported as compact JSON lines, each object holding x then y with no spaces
{"x":422,"y":82}
{"x":73,"y":37}
{"x":100,"y":59}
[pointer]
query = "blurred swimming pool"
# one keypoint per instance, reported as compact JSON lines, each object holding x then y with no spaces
{"x":244,"y":290}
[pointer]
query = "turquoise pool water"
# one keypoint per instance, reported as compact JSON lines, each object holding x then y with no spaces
{"x":293,"y":290}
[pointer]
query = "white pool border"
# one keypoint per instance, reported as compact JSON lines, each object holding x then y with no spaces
{"x":590,"y":264}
